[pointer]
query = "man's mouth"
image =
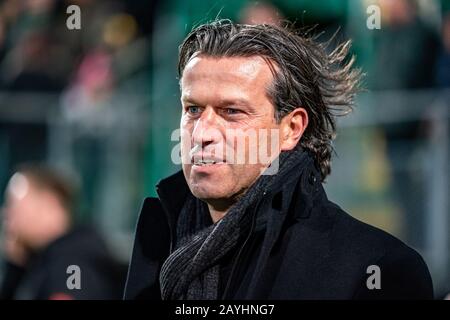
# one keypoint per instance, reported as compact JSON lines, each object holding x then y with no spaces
{"x":206,"y":162}
{"x":200,"y":159}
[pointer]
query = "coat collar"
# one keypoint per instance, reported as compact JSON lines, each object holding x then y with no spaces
{"x":295,"y":190}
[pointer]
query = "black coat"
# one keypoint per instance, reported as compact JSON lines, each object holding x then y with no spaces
{"x":45,"y":277}
{"x":310,"y":249}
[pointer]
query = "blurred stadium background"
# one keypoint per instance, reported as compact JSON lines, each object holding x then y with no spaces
{"x":100,"y":103}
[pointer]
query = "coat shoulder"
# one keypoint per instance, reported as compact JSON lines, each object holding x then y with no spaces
{"x":151,"y":246}
{"x":403,"y":271}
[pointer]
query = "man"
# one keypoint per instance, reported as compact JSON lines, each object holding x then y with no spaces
{"x":42,"y":248}
{"x":228,"y":229}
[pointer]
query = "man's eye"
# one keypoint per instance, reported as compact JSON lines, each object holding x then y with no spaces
{"x":193,"y":109}
{"x":232,"y":111}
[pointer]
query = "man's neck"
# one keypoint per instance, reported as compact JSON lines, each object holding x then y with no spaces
{"x":218,"y":210}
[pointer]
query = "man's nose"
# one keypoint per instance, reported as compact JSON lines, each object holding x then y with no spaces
{"x":207,"y":128}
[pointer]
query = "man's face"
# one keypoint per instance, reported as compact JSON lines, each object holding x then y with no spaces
{"x":22,"y":204}
{"x":28,"y":212}
{"x":223,"y":99}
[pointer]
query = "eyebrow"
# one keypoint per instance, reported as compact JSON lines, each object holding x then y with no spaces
{"x":238,"y":102}
{"x":222,"y":103}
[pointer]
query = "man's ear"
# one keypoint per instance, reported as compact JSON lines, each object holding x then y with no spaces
{"x":292,"y":127}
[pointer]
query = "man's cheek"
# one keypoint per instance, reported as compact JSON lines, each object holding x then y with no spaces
{"x":185,"y":148}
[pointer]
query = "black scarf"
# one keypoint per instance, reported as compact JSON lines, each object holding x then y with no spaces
{"x":192,"y":270}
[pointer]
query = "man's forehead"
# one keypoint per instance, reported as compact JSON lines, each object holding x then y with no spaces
{"x":18,"y":186}
{"x":245,"y":68}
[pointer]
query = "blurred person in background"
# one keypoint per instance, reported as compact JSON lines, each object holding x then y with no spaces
{"x":443,"y":62}
{"x":261,"y":13}
{"x":52,"y":77}
{"x":35,"y":59}
{"x":403,"y":65}
{"x":40,"y":242}
{"x":34,"y":66}
{"x":405,"y":48}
